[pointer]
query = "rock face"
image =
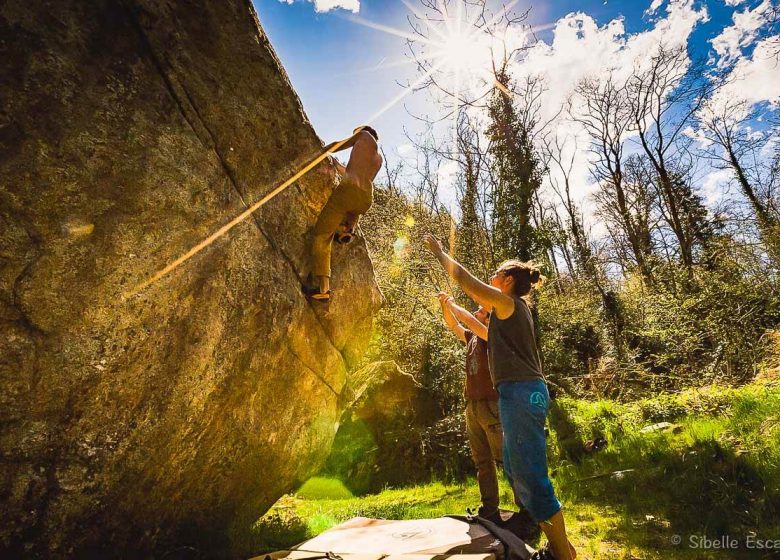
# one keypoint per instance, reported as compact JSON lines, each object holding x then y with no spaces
{"x":129,"y":131}
{"x":367,"y":452}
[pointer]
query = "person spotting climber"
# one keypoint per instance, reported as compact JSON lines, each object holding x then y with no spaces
{"x":483,"y":424}
{"x":351,"y":198}
{"x":523,"y":399}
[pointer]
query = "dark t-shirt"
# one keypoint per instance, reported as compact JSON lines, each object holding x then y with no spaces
{"x":512,"y":352}
{"x":479,"y":386}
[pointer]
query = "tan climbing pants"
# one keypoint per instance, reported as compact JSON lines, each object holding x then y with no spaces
{"x":483,"y":427}
{"x":344,"y":207}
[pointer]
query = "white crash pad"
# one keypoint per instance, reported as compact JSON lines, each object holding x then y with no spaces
{"x":382,"y":536}
{"x":363,"y":538}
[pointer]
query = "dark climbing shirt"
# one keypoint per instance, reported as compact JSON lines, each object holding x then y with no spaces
{"x":479,"y":386}
{"x":512,"y":352}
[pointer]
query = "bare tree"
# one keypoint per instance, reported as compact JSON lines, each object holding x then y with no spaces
{"x":735,"y":147}
{"x":607,"y":118}
{"x":427,"y":165}
{"x":664,"y":96}
{"x":580,"y":259}
{"x":392,"y":174}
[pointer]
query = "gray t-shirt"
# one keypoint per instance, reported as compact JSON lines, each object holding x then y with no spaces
{"x":512,"y":352}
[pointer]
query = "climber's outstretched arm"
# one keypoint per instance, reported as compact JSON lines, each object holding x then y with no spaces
{"x":332,"y":147}
{"x":485,"y":295}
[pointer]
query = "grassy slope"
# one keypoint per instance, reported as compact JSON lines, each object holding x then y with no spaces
{"x":716,"y":472}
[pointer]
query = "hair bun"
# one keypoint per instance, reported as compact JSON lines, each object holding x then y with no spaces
{"x":535,"y":276}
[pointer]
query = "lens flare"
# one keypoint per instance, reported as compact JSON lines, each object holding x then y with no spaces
{"x":400,"y":246}
{"x":458,"y":48}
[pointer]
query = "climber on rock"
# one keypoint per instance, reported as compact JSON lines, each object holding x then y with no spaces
{"x":350,"y":199}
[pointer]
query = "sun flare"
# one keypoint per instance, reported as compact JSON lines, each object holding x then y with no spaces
{"x":467,"y":54}
{"x":458,"y":47}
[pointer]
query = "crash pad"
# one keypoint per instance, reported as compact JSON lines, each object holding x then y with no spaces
{"x":363,"y":538}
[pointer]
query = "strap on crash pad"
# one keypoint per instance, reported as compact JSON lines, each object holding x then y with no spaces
{"x":514,"y":547}
{"x":319,"y":556}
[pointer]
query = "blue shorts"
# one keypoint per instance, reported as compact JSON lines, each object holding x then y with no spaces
{"x":523,"y":408}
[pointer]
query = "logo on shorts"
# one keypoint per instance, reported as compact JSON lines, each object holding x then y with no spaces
{"x":537,"y":399}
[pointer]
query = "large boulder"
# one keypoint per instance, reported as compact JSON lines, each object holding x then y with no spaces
{"x":172,"y":419}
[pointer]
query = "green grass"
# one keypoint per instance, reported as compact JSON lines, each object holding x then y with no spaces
{"x":717,"y":472}
{"x":322,"y":488}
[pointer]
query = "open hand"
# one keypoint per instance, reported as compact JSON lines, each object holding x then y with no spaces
{"x":434,"y":246}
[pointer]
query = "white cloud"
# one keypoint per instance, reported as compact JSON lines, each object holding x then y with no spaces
{"x":447,"y":173}
{"x":715,"y":185}
{"x":699,"y":136}
{"x":327,"y":5}
{"x":582,"y":49}
{"x":405,"y":150}
{"x":729,"y":43}
{"x":654,"y":6}
{"x":734,"y":2}
{"x":770,"y":147}
{"x":752,"y":81}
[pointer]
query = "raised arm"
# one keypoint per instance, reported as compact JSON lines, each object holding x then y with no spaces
{"x":485,"y":295}
{"x":468,"y":319}
{"x":452,"y":323}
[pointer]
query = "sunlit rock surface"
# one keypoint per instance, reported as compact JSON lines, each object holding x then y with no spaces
{"x":129,"y":131}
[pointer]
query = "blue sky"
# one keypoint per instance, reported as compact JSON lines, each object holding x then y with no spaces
{"x":332,"y":61}
{"x":342,"y":72}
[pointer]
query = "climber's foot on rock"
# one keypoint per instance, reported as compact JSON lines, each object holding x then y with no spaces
{"x":314,"y":294}
{"x":323,"y":297}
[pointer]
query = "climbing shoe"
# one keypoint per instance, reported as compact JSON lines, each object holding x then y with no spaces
{"x":315,"y":294}
{"x":544,"y":553}
{"x":343,"y":237}
{"x":524,"y":526}
{"x":312,"y":291}
{"x":494,"y":516}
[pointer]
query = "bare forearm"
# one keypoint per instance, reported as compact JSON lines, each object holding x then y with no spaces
{"x":452,"y":322}
{"x":474,"y":288}
{"x":449,"y":318}
{"x":470,"y":321}
{"x":460,"y":313}
{"x":487,"y":296}
{"x":340,"y":145}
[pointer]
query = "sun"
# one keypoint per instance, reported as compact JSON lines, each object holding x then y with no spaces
{"x":459,"y":52}
{"x":456,"y":46}
{"x":465,"y":54}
